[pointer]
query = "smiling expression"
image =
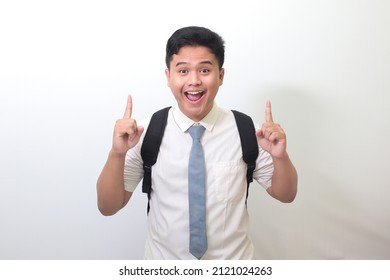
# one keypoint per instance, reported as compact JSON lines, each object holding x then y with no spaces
{"x":194,"y":77}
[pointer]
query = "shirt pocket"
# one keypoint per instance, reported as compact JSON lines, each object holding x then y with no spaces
{"x":230,"y":181}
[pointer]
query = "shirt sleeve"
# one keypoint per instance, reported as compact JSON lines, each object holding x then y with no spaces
{"x":264,"y":169}
{"x":133,"y":171}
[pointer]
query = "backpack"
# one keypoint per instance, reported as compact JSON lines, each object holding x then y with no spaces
{"x":154,"y":134}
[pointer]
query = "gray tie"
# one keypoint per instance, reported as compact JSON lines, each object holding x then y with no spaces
{"x":196,"y":194}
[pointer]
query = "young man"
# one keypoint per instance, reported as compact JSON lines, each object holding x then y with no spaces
{"x":194,"y":58}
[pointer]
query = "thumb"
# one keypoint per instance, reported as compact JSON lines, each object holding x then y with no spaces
{"x":140,"y":130}
{"x":259,"y":133}
{"x":136,"y":136}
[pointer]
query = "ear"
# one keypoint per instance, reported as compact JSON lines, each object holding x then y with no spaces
{"x":221,"y":76}
{"x":167,"y":74}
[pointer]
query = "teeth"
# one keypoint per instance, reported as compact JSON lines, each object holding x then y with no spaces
{"x":194,"y":96}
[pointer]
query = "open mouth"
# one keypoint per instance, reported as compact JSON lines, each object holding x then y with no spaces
{"x":194,"y":96}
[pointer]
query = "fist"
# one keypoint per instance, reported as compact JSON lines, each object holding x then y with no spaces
{"x":126,"y":131}
{"x":271,"y":136}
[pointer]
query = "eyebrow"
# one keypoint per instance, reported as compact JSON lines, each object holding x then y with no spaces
{"x":202,"y":62}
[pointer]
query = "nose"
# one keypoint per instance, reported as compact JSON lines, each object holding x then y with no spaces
{"x":194,"y":78}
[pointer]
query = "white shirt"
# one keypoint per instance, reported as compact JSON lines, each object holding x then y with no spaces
{"x":226,"y":218}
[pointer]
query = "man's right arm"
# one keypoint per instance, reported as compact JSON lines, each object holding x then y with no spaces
{"x":111,"y":193}
{"x":110,"y":186}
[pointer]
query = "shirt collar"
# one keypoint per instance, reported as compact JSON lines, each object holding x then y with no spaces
{"x":185,"y":122}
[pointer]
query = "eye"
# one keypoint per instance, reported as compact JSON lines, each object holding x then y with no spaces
{"x":204,"y":71}
{"x":183,"y":71}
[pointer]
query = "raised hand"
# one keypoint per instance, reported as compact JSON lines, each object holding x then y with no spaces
{"x":126,"y":131}
{"x":271,"y":136}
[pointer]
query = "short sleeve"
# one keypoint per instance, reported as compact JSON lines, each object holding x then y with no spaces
{"x":133,"y":170}
{"x":264,"y":169}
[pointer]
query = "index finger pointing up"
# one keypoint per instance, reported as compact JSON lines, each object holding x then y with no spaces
{"x":268,"y":112}
{"x":129,"y":108}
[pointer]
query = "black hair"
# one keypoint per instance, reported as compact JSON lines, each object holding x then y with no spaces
{"x":195,"y":36}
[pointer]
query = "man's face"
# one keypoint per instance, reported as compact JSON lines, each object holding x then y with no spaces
{"x":194,"y":78}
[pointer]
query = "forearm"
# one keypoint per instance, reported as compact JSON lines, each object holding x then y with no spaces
{"x":110,"y":185}
{"x":284,"y":180}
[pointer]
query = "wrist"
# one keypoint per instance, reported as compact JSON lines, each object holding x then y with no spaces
{"x":117,"y":155}
{"x":280,"y":158}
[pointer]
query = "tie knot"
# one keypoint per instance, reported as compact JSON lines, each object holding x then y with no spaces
{"x":196,"y":131}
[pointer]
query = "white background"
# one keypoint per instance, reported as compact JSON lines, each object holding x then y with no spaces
{"x":66,"y":68}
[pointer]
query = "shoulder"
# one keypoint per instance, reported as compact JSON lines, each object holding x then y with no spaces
{"x":223,"y":115}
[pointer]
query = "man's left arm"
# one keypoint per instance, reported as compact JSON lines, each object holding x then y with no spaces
{"x":271,"y":138}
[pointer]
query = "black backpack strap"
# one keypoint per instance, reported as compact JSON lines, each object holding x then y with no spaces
{"x":249,"y":146}
{"x":151,"y":146}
